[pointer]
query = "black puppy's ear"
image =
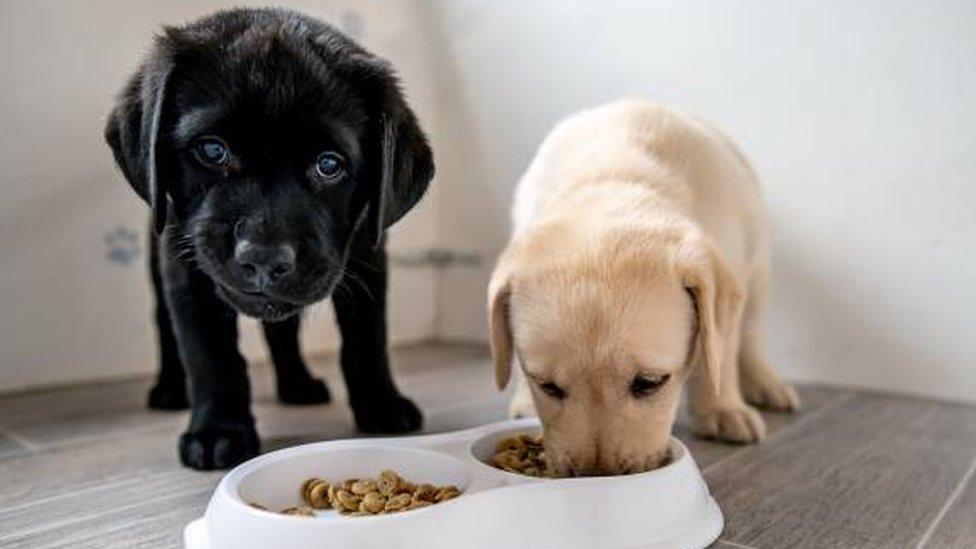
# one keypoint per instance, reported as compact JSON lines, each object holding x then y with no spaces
{"x":407,"y":166}
{"x":133,"y":133}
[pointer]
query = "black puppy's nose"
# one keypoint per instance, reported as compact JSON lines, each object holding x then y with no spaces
{"x":264,"y":265}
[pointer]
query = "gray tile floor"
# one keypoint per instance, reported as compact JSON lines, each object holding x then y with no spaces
{"x":90,"y":467}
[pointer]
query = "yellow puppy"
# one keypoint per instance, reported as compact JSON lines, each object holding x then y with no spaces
{"x":639,"y":259}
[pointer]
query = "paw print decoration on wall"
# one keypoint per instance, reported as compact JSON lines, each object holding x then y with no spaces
{"x":122,"y":245}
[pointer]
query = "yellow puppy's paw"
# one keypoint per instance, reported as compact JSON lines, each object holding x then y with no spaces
{"x":739,"y":423}
{"x":771,"y":394}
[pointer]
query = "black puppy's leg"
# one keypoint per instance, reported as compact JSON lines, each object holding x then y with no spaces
{"x":169,"y":392}
{"x":221,"y":432}
{"x":295,"y":384}
{"x":360,"y":307}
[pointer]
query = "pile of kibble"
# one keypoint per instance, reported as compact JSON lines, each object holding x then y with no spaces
{"x":522,"y":454}
{"x":387,"y":493}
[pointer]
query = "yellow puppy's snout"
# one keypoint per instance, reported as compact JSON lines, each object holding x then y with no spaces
{"x":595,"y":459}
{"x":591,"y":457}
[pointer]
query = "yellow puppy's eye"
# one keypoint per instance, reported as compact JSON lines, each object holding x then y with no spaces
{"x":553,"y":390}
{"x":645,"y":384}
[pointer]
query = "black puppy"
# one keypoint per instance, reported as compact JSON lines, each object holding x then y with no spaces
{"x":274,"y":152}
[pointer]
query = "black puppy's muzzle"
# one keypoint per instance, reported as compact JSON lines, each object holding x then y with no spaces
{"x":264,"y":266}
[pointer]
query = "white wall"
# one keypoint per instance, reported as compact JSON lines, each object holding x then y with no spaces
{"x":859,"y":115}
{"x":67,"y":312}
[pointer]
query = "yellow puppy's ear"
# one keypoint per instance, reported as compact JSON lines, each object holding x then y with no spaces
{"x":499,"y":293}
{"x":718,"y":297}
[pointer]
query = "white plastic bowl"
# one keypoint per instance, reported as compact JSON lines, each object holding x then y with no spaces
{"x":669,"y":507}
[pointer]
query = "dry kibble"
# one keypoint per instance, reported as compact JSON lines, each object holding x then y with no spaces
{"x":398,"y":502}
{"x":347,"y":500}
{"x":446,"y":493}
{"x":425,"y":492}
{"x":315,"y":493}
{"x":522,"y":454}
{"x":529,"y":440}
{"x":307,"y":485}
{"x":373,"y":502}
{"x":299,"y":511}
{"x":506,"y":459}
{"x":363,"y":486}
{"x":318,"y":496}
{"x":387,"y":482}
{"x":357,"y":497}
{"x":418,"y":503}
{"x":509,"y":444}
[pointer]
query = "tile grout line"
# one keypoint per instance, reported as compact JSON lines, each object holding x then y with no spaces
{"x":85,"y":439}
{"x":837,"y":401}
{"x":144,"y":429}
{"x":87,"y":489}
{"x":20,"y":439}
{"x":442,"y":409}
{"x":72,"y":541}
{"x":948,"y":505}
{"x":82,"y":440}
{"x":24,"y":534}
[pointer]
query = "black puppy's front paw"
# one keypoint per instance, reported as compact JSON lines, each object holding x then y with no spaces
{"x":218,"y":447}
{"x":310,"y":391}
{"x":389,"y":414}
{"x":168,"y":396}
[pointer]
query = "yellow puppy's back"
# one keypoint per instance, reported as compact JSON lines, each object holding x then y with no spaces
{"x":682,"y":167}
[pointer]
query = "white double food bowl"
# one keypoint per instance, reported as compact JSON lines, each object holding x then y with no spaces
{"x":669,"y":507}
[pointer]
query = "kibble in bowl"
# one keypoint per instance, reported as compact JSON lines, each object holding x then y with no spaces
{"x":522,"y":454}
{"x":355,"y":497}
{"x":335,"y":483}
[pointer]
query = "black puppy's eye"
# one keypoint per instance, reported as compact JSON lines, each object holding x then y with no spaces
{"x":330,"y":165}
{"x":212,"y":151}
{"x":553,"y":390}
{"x":644,"y":384}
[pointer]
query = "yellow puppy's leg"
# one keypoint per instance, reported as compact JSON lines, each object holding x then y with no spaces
{"x":761,"y":385}
{"x":723,"y":415}
{"x":521,"y":404}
